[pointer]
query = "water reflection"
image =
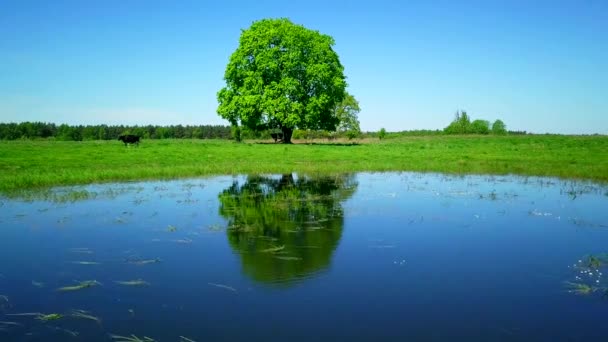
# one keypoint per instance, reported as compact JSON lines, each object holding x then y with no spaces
{"x":285,"y":228}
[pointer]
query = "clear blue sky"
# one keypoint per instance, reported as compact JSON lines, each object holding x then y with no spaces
{"x":539,"y":66}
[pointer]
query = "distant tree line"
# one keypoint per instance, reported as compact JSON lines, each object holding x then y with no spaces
{"x":462,"y":125}
{"x":43,"y":130}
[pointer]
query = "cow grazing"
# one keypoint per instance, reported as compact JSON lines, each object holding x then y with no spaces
{"x":129,"y":139}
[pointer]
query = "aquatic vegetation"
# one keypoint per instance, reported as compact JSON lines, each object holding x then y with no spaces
{"x":225,"y":287}
{"x":68,"y":332}
{"x":588,"y":275}
{"x":6,"y":323}
{"x":400,"y":263}
{"x":273,"y":249}
{"x":85,"y":263}
{"x":49,"y":317}
{"x":4,"y":303}
{"x":592,"y":262}
{"x":35,"y":314}
{"x":143,"y":261}
{"x":214,"y":227}
{"x":132,"y":338}
{"x":183,"y":241}
{"x":580,"y":288}
{"x":85,"y":315}
{"x":584,"y":223}
{"x":287,"y":258}
{"x":536,"y":212}
{"x":381,"y":246}
{"x":136,"y":282}
{"x":37,"y":284}
{"x":241,"y":227}
{"x":82,"y":285}
{"x":81,"y":250}
{"x":40,"y":316}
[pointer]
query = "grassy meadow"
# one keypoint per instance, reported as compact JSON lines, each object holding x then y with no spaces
{"x":38,"y":164}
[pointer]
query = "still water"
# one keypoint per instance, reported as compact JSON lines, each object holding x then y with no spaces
{"x":384,"y":256}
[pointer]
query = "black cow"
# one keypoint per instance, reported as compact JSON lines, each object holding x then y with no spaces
{"x":277,"y":136}
{"x":129,"y":139}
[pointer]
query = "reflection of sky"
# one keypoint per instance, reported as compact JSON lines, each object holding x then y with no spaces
{"x":420,"y":256}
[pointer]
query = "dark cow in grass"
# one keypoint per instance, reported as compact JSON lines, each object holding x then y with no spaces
{"x":129,"y":139}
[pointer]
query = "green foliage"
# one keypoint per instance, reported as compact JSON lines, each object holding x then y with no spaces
{"x":480,"y":127}
{"x":382,"y":133}
{"x":347,"y":112}
{"x":460,"y":125}
{"x":285,"y":76}
{"x":352,"y":134}
{"x":499,"y":128}
{"x":66,"y":133}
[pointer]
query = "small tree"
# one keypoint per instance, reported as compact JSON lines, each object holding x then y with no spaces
{"x":382,"y":133}
{"x":347,"y":111}
{"x":499,"y":128}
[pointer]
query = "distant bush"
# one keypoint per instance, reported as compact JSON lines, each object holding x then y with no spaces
{"x":517,"y":132}
{"x":480,"y":127}
{"x":352,"y":134}
{"x":460,"y":125}
{"x":382,"y":133}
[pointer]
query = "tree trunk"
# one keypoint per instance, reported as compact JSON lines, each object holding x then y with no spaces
{"x":287,"y":132}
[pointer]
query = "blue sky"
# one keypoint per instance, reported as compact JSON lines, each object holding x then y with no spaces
{"x":539,"y":66}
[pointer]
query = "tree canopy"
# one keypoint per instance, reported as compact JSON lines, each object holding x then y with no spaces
{"x":282,"y":76}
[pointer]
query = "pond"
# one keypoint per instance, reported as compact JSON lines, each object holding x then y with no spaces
{"x":368,"y":256}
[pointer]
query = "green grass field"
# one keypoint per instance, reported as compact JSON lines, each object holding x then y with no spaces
{"x":35,"y":164}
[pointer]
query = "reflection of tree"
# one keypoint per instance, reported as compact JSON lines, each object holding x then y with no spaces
{"x":285,"y":228}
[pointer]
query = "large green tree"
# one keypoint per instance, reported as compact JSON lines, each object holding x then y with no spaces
{"x":282,"y":76}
